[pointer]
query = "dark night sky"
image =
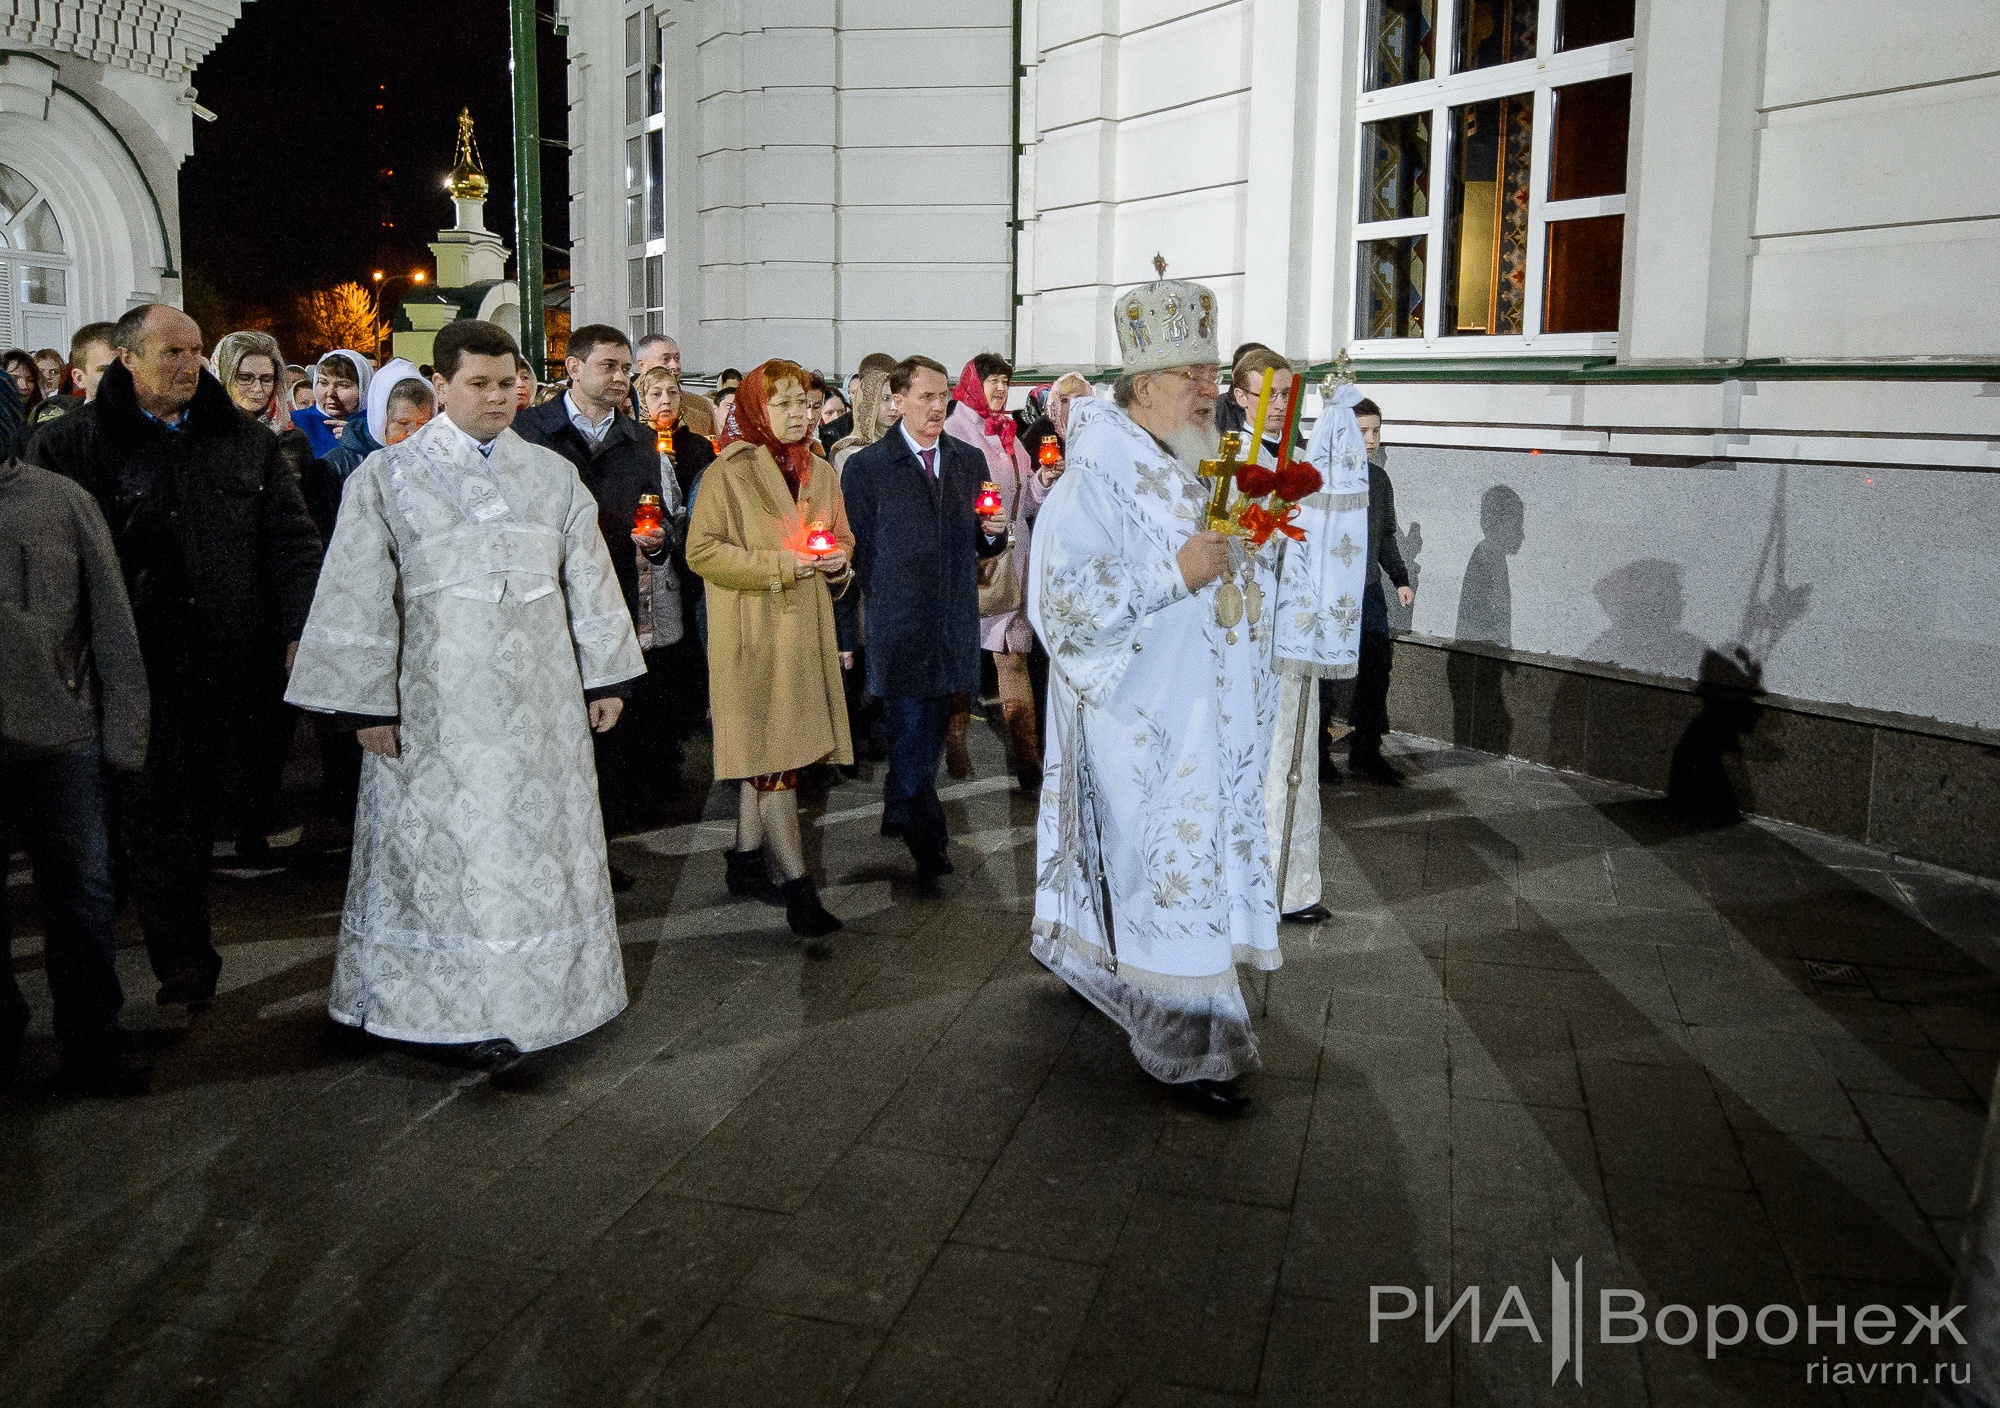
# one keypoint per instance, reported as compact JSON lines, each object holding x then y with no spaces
{"x":281,"y":195}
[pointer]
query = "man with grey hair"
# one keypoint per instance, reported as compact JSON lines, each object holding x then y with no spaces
{"x":220,"y":559}
{"x":656,"y":349}
{"x":1154,"y":874}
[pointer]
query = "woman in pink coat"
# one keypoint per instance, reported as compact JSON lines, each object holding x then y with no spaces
{"x":979,"y":417}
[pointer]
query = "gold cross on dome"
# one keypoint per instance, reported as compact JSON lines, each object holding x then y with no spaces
{"x":1160,"y":265}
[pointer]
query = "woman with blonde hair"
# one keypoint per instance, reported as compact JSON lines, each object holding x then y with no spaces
{"x":775,"y":696}
{"x":873,"y":413}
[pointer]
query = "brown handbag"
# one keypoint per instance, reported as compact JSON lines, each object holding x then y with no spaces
{"x":1000,"y":592}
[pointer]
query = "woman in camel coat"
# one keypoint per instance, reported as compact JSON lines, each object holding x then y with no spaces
{"x":775,"y":695}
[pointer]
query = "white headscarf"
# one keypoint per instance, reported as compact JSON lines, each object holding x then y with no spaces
{"x":382,"y":386}
{"x":364,"y":370}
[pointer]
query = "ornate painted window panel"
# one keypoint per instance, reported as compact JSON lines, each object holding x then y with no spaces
{"x":1490,"y":200}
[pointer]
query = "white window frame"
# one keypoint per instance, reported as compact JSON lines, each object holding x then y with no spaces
{"x":1541,"y":75}
{"x":650,"y":252}
{"x":17,"y":262}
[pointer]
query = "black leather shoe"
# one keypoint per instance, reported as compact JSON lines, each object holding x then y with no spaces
{"x":894,"y":829}
{"x":193,"y":989}
{"x":806,"y":916}
{"x":1377,"y":769}
{"x":932,"y":864}
{"x":746,"y":876}
{"x":1311,"y":914}
{"x":498,"y":1057}
{"x":621,"y":880}
{"x":1218,"y":1097}
{"x":1329,"y":774}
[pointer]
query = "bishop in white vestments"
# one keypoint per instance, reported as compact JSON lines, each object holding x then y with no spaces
{"x":1154,"y":875}
{"x":1317,"y":636}
{"x":467,"y":606}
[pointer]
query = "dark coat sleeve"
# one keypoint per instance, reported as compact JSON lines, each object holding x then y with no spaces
{"x":1387,"y":552}
{"x":292,"y":546}
{"x":123,"y":700}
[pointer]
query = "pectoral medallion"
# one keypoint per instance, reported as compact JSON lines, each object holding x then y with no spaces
{"x":1229,"y":605}
{"x":1254,"y":596}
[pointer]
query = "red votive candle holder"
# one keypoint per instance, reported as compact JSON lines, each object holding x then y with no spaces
{"x":649,"y":517}
{"x":1049,"y":453}
{"x":820,"y":540}
{"x":989,"y":503}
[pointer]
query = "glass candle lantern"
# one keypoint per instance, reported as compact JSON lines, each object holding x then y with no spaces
{"x":1049,"y":453}
{"x":820,"y":540}
{"x":989,"y":504}
{"x":649,"y":517}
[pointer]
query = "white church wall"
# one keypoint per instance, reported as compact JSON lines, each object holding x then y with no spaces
{"x":1885,"y":583}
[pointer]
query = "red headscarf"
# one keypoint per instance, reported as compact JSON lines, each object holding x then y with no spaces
{"x":971,"y":393}
{"x":749,"y":419}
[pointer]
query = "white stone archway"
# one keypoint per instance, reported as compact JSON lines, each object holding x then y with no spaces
{"x":115,"y":246}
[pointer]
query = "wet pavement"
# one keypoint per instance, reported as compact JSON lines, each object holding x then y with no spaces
{"x":1552,"y":1022}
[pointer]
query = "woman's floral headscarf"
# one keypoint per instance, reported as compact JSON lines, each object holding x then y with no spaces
{"x":749,"y":419}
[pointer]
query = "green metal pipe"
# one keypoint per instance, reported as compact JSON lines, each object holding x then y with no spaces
{"x":528,"y":180}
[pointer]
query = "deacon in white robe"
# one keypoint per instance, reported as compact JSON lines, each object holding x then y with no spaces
{"x":1154,"y":876}
{"x":468,"y":599}
{"x":1318,"y":636}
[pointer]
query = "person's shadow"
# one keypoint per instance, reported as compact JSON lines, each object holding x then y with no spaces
{"x":1486,"y":613}
{"x":1411,"y":544}
{"x":1646,"y":601}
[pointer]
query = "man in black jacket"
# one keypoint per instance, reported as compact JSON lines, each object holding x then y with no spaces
{"x":220,"y":561}
{"x":1369,"y":713}
{"x":917,"y":540}
{"x":618,"y":460}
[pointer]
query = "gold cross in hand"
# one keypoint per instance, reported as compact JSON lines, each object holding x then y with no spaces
{"x":1223,"y":472}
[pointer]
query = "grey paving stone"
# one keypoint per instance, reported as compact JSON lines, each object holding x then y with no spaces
{"x":1932,"y":1144}
{"x":1252,"y":1159}
{"x":1319,"y":1352}
{"x":396,"y":1342}
{"x":1660,"y":1122}
{"x":863,"y":1239}
{"x":986,"y":1328}
{"x":971,"y":1089}
{"x":920,"y":1172}
{"x":744,"y":1357}
{"x":1184,"y":1301}
{"x":622,"y":1309}
{"x":1840,"y":1210}
{"x":1775,"y":1080}
{"x":1066,"y":1179}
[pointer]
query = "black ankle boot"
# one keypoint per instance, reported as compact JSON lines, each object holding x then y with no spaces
{"x":746,"y":876}
{"x":805,"y":914}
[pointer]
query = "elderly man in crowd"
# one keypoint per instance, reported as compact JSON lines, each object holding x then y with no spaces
{"x":220,"y":559}
{"x":917,"y":539}
{"x":656,"y":349}
{"x":1154,"y":875}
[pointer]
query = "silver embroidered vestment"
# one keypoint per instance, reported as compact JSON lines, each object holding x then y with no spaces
{"x":472,"y":598}
{"x":1320,"y":583}
{"x":1154,"y":876}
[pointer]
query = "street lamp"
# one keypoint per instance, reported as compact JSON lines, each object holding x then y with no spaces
{"x":382,"y":283}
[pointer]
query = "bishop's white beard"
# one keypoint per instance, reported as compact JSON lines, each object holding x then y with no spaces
{"x":1194,"y":442}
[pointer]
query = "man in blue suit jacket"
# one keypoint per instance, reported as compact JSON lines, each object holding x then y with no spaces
{"x":917,"y":541}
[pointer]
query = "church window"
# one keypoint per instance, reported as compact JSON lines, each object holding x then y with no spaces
{"x":34,"y":265}
{"x":1490,"y":200}
{"x":1402,"y":42}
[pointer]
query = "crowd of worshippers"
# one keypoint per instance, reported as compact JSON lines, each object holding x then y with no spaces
{"x":517,"y":599}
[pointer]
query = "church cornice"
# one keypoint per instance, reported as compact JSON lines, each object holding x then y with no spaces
{"x":155,"y":37}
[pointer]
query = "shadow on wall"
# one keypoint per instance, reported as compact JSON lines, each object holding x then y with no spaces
{"x":1709,"y":772}
{"x":1411,"y":544}
{"x":1486,"y":613}
{"x":1646,"y":601}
